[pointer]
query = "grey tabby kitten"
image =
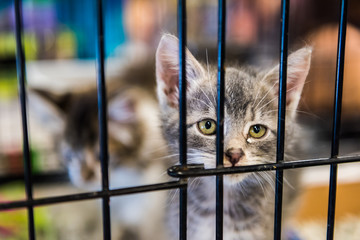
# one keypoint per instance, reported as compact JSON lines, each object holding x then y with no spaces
{"x":135,"y":143}
{"x":250,"y":128}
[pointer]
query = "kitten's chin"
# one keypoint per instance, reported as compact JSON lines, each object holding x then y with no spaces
{"x":234,"y":179}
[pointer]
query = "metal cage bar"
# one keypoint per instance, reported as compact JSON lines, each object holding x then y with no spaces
{"x":337,"y":118}
{"x":182,"y":114}
{"x":21,"y":75}
{"x":178,"y":173}
{"x":199,"y":171}
{"x":102,"y":115}
{"x":281,"y":116}
{"x":91,"y":195}
{"x":220,"y":118}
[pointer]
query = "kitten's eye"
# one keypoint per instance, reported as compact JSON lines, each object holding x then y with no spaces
{"x":207,"y":126}
{"x":257,"y":131}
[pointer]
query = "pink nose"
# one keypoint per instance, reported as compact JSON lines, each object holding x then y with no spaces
{"x":234,"y":155}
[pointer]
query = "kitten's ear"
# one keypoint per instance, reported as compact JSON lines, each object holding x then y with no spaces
{"x":167,"y":70}
{"x":297,"y":71}
{"x":122,"y":116}
{"x":49,"y":108}
{"x":122,"y":108}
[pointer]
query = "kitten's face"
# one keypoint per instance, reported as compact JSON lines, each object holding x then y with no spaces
{"x":250,"y":108}
{"x":79,"y":145}
{"x":78,"y":133}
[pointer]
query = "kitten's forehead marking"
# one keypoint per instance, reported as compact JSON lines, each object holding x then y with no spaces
{"x":238,"y":94}
{"x":239,"y":86}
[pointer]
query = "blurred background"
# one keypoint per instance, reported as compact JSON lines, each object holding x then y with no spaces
{"x":59,"y":40}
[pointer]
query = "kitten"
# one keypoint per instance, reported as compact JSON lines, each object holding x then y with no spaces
{"x":134,"y":141}
{"x":250,"y":128}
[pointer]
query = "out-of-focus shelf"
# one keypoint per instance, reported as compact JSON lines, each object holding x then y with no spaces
{"x":62,"y":75}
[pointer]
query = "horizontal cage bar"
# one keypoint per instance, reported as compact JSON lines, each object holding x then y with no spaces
{"x":93,"y":195}
{"x":198,"y":170}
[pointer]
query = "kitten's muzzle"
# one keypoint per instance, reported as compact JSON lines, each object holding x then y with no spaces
{"x":234,"y":155}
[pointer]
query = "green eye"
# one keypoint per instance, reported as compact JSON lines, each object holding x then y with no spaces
{"x":207,"y":126}
{"x":257,"y":131}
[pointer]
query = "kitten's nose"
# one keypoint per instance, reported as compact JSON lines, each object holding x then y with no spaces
{"x":234,"y":155}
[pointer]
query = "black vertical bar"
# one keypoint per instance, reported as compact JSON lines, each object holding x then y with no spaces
{"x":102,"y":112}
{"x":337,"y":117}
{"x":21,"y":74}
{"x":182,"y":112}
{"x":220,"y":118}
{"x":281,"y":116}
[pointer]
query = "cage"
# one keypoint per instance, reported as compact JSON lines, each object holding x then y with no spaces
{"x":184,"y":171}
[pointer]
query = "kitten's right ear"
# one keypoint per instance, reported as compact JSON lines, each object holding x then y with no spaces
{"x":297,"y":71}
{"x":49,"y":108}
{"x":167,"y":70}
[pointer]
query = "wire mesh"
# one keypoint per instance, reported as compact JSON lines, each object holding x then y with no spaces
{"x":185,"y":171}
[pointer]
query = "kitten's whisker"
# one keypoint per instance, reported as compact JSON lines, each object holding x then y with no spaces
{"x":295,"y":110}
{"x":243,"y":190}
{"x":214,"y":97}
{"x":264,"y":185}
{"x":202,"y":152}
{"x":207,"y":63}
{"x":268,"y":179}
{"x":202,"y":90}
{"x":194,"y":183}
{"x":199,"y":154}
{"x":260,"y":90}
{"x":275,"y":98}
{"x":289,"y":157}
{"x":172,"y":195}
{"x":257,"y":95}
{"x":210,"y":156}
{"x":208,"y":71}
{"x":288,"y":90}
{"x":262,"y":99}
{"x":256,"y":176}
{"x":197,"y":157}
{"x":198,"y":160}
{"x":156,"y":150}
{"x":165,"y":173}
{"x":307,"y":113}
{"x":168,"y":156}
{"x":270,"y":111}
{"x":288,"y":183}
{"x":277,"y":180}
{"x":210,"y":107}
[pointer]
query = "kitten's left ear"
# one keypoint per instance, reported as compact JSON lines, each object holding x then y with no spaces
{"x":122,"y":108}
{"x":49,"y":108}
{"x":122,"y":117}
{"x":167,"y":70}
{"x":297,"y":71}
